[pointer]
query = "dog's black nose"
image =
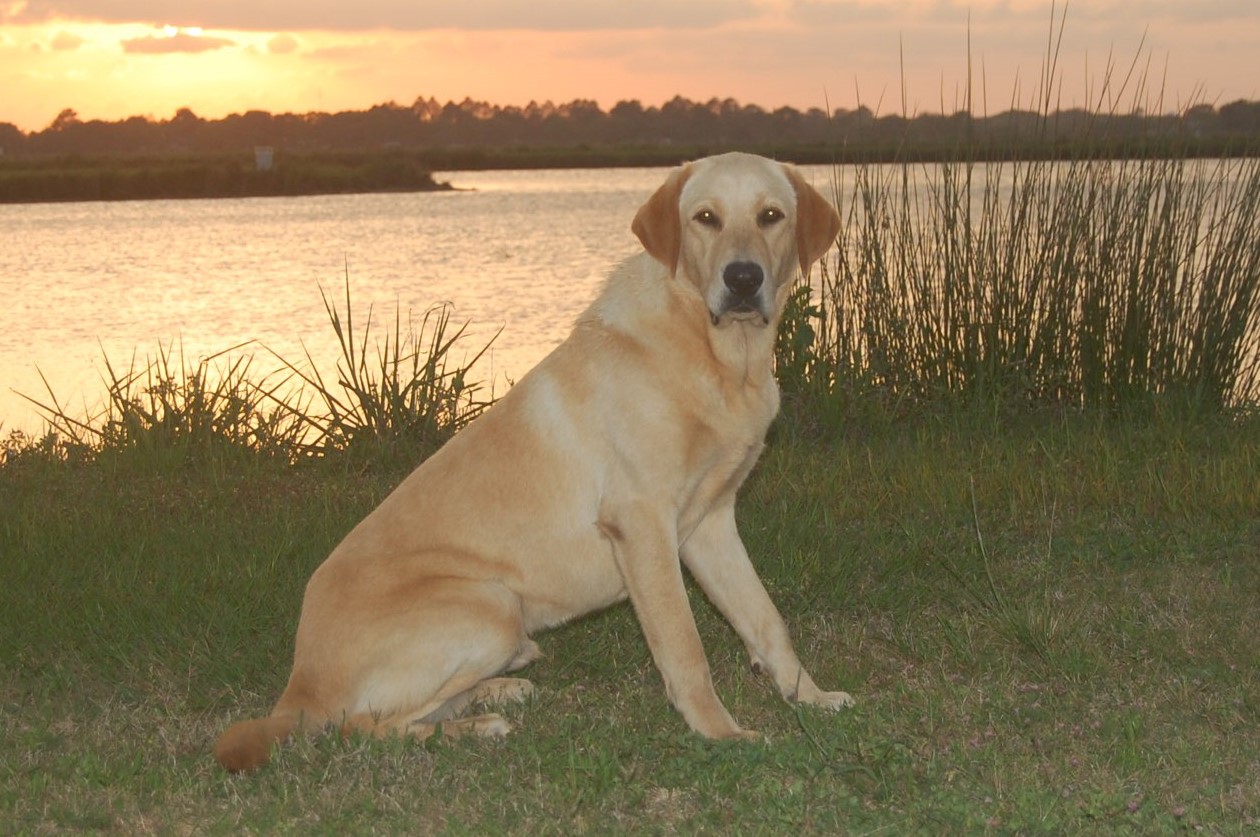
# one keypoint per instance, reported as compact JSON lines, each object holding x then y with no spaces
{"x":743,"y":278}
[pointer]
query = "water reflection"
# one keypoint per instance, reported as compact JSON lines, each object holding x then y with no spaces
{"x":521,"y":250}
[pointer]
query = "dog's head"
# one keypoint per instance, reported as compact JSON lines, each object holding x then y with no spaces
{"x":737,"y":227}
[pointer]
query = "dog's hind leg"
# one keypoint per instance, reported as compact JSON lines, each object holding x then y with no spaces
{"x":494,"y":691}
{"x":491,"y":725}
{"x":432,"y":659}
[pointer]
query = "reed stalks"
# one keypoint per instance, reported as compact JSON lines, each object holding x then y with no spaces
{"x":1097,"y":285}
{"x":396,"y":396}
{"x":406,"y":399}
{"x":1114,"y":287}
{"x":169,"y":409}
{"x":999,"y":288}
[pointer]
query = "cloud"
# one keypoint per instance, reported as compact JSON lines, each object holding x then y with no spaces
{"x":401,"y":15}
{"x":1133,"y":13}
{"x":65,"y":41}
{"x":283,"y":44}
{"x":597,"y":15}
{"x":179,"y":42}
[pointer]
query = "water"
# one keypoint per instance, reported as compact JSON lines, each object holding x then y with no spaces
{"x":525,"y":251}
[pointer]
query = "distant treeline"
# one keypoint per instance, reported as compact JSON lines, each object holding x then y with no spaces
{"x":582,"y":126}
{"x":393,"y":147}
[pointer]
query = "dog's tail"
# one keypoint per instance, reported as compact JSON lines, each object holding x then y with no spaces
{"x":246,"y":745}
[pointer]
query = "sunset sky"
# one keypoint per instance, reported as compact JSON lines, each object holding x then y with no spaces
{"x":110,"y":59}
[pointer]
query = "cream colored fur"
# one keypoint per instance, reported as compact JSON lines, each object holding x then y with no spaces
{"x":594,"y":479}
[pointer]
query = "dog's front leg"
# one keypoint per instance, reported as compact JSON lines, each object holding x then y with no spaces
{"x":646,"y":551}
{"x":716,"y":556}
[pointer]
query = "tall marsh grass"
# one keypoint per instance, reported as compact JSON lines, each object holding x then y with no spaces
{"x":168,"y":409}
{"x":1086,"y":284}
{"x":395,"y":396}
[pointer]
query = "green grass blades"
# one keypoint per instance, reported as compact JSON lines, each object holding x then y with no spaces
{"x":1049,"y":629}
{"x":400,"y":395}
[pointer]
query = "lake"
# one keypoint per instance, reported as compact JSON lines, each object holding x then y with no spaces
{"x":521,"y":250}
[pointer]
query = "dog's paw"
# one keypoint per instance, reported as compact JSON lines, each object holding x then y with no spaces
{"x":738,"y":733}
{"x":489,"y":726}
{"x":497,"y":691}
{"x":830,"y":700}
{"x":825,"y":700}
{"x":526,"y":654}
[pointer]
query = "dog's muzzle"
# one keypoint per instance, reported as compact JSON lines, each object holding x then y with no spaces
{"x":742,"y":297}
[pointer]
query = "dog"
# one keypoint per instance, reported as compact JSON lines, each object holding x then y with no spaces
{"x":595,"y":478}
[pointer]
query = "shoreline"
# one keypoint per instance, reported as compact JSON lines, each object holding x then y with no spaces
{"x":74,"y":179}
{"x":439,"y":186}
{"x":78,"y":178}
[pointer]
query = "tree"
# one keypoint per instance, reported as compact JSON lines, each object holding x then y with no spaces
{"x":68,"y":118}
{"x":1241,"y":116}
{"x":12,"y":140}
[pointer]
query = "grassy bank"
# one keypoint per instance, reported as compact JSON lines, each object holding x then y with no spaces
{"x":1049,"y":630}
{"x":88,"y":178}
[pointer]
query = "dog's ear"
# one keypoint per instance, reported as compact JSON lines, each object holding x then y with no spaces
{"x":658,"y":224}
{"x":817,"y":222}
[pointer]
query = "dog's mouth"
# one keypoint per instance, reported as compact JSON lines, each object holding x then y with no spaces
{"x":744,"y":310}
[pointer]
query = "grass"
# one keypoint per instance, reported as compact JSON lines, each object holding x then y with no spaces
{"x":999,"y":287}
{"x":408,"y":399}
{"x":1048,"y":630}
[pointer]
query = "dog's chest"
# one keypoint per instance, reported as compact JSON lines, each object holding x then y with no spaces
{"x":725,"y":448}
{"x":737,"y":415}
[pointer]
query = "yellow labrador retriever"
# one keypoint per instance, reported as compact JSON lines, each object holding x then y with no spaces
{"x":619,"y":455}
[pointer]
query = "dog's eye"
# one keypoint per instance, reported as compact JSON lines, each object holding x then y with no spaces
{"x":769,"y":216}
{"x":709,"y":218}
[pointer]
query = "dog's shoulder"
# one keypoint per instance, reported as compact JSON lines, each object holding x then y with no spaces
{"x":641,"y":304}
{"x":634,"y":291}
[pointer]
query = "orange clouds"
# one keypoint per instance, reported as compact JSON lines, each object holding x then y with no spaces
{"x":115,"y":58}
{"x":64,"y":41}
{"x":179,"y":41}
{"x":283,"y":44}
